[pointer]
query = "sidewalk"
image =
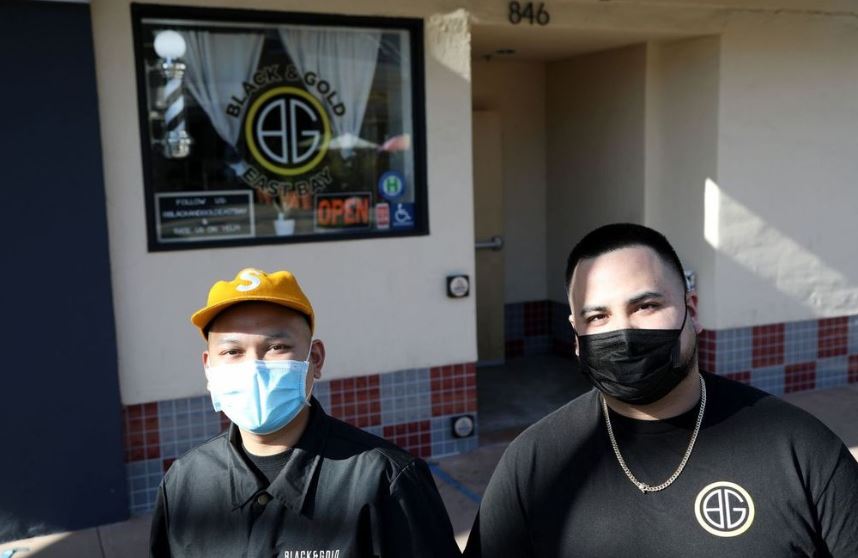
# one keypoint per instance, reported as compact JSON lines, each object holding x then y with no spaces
{"x":461,"y":481}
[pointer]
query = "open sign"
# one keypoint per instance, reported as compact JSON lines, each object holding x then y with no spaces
{"x":342,"y":211}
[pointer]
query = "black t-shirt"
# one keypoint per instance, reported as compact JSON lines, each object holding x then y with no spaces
{"x":269,"y":466}
{"x":764,"y":479}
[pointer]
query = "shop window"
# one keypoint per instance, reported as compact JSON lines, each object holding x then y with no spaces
{"x":269,"y":127}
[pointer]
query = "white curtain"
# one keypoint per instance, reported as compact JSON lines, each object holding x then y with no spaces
{"x":218,"y":63}
{"x":344,"y":58}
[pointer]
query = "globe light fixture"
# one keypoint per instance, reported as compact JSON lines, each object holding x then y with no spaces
{"x":169,"y":45}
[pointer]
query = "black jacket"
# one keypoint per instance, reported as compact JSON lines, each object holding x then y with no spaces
{"x":342,"y":489}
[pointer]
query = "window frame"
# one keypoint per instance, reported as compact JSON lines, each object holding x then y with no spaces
{"x":414,"y":28}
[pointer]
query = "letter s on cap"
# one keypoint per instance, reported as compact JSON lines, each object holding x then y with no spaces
{"x":250,"y":276}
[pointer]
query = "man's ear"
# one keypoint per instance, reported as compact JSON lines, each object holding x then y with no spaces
{"x":205,"y":359}
{"x":691,"y":303}
{"x":317,"y":357}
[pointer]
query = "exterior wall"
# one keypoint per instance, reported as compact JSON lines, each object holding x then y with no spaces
{"x":595,"y":153}
{"x":785,"y":357}
{"x":777,"y":131}
{"x":387,"y":379}
{"x":516,"y":90}
{"x":781,"y":213}
{"x":764,"y":115}
{"x":747,"y":168}
{"x":400,"y":283}
{"x":682,"y":153}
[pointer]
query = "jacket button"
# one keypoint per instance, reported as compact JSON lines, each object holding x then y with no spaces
{"x":263,"y":499}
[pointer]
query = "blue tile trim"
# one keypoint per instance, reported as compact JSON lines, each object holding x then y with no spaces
{"x":735,"y":352}
{"x":832,"y":372}
{"x":770,"y":379}
{"x":800,"y":341}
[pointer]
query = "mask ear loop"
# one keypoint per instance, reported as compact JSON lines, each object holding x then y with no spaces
{"x":309,"y":354}
{"x":684,"y":316}
{"x":574,"y":338}
{"x":677,"y":349}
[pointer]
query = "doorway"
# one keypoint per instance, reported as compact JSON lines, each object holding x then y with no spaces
{"x":559,"y":148}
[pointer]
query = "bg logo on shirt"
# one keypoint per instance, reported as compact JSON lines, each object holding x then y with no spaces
{"x":724,"y":509}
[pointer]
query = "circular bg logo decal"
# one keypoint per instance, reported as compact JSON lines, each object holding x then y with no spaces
{"x":287,"y":131}
{"x":724,"y":509}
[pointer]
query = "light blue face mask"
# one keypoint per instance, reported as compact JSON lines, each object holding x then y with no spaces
{"x":260,"y":396}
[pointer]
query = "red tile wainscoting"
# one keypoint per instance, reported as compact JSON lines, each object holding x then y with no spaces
{"x":140,"y":432}
{"x":414,"y":437}
{"x":357,"y":400}
{"x":833,"y":337}
{"x":454,"y":389}
{"x":799,"y":377}
{"x":768,"y":345}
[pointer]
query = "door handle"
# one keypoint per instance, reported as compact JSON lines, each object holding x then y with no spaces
{"x":495,"y":244}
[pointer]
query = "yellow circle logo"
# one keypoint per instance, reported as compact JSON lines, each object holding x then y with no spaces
{"x":724,"y":509}
{"x":287,"y":131}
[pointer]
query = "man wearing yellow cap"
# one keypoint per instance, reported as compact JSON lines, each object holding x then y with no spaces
{"x":287,"y":480}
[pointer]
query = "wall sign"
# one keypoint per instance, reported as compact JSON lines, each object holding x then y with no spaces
{"x":194,"y":216}
{"x":269,"y":127}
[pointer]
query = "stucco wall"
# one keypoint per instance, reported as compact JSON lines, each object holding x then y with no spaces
{"x":399,"y":283}
{"x":516,"y":91}
{"x":781,"y":213}
{"x":682,"y":153}
{"x":750,"y":167}
{"x":777,"y":211}
{"x":596,"y":108}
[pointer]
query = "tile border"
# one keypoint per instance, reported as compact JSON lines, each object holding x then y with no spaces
{"x":413,"y":408}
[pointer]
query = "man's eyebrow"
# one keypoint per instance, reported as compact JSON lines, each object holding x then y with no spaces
{"x":278,"y":335}
{"x":637,"y":299}
{"x":268,"y":337}
{"x":587,"y":309}
{"x":227,"y":341}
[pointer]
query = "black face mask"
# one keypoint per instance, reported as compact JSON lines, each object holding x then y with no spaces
{"x":637,"y":366}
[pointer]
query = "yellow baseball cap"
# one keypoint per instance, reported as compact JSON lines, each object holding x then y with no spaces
{"x":251,"y":284}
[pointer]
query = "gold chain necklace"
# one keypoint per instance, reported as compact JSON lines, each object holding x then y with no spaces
{"x":642,"y":486}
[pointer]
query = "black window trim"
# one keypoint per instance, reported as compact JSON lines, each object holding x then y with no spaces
{"x":418,"y":114}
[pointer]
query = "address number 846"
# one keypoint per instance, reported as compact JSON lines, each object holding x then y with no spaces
{"x":524,"y":11}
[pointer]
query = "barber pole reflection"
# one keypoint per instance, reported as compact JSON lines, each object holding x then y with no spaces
{"x":176,"y":142}
{"x":174,"y":116}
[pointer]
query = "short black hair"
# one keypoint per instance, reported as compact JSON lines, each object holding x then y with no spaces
{"x":608,"y":238}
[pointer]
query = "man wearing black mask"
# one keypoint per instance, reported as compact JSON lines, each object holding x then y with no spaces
{"x":662,"y":459}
